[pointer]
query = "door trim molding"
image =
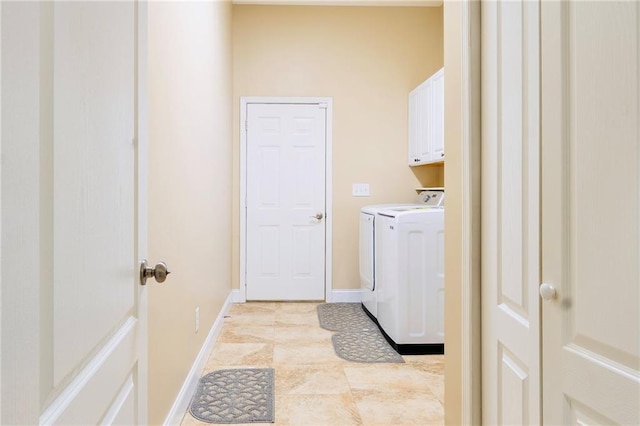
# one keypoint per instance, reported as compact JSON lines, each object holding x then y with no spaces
{"x":244,"y":101}
{"x":471,"y":239}
{"x":471,"y":173}
{"x":463,"y":143}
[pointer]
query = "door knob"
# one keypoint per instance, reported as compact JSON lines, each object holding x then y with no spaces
{"x":159,"y":272}
{"x":547,"y":291}
{"x":318,"y":216}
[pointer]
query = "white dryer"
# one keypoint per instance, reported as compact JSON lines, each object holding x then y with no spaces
{"x":367,"y":254}
{"x":410,"y":276}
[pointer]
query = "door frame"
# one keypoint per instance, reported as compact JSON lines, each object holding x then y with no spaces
{"x":463,"y":374}
{"x":328,"y":264}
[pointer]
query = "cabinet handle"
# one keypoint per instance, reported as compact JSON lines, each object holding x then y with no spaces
{"x":442,"y":155}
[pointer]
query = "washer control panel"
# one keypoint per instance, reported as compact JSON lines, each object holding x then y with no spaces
{"x":432,"y":198}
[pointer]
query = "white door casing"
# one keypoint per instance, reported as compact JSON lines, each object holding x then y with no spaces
{"x":73,"y":213}
{"x":591,"y":212}
{"x":286,"y":187}
{"x":510,"y":213}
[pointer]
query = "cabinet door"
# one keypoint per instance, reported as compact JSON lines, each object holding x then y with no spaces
{"x":414,"y":118}
{"x":436,"y":117}
{"x":425,"y":150}
{"x":419,"y":140}
{"x":426,"y":121}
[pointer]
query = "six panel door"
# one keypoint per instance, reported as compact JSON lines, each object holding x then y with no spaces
{"x":285,"y":204}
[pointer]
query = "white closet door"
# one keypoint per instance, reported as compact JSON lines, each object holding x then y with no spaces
{"x":510,"y":213}
{"x":591,"y":212}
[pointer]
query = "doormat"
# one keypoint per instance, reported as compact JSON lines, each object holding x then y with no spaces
{"x":364,"y":346}
{"x":235,"y":396}
{"x":358,"y":338}
{"x":344,"y":317}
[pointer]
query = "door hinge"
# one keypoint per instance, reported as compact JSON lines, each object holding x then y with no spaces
{"x":323,"y":105}
{"x":246,"y":125}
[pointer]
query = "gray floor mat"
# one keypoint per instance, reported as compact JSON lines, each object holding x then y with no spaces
{"x":358,"y":338}
{"x":344,"y":317}
{"x":235,"y":396}
{"x":364,"y":346}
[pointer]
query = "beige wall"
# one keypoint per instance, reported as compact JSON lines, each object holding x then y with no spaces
{"x":367,"y":60}
{"x":189,"y":190}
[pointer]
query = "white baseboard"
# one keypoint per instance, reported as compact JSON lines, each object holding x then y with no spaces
{"x":181,"y":403}
{"x":238,"y":296}
{"x":335,"y":296}
{"x":346,"y":296}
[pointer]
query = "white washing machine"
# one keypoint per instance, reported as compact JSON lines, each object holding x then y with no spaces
{"x":409,"y":275}
{"x":367,"y":245}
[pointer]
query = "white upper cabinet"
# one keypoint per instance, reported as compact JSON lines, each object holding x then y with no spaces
{"x":436,"y":115}
{"x":426,"y":121}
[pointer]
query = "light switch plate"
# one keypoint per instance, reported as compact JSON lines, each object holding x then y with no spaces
{"x":360,"y":190}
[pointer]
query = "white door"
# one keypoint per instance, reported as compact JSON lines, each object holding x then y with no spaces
{"x":510,"y":213}
{"x":74,"y":325}
{"x":591,"y":212}
{"x":285,"y":201}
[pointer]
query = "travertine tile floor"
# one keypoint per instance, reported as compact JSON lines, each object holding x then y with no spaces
{"x":313,"y":386}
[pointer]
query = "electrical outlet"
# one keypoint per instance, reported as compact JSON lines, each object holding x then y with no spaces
{"x":360,"y":190}
{"x":197,"y":319}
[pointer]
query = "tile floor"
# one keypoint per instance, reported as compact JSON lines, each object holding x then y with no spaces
{"x":313,"y":386}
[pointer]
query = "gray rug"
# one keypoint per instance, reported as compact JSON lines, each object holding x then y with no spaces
{"x":235,"y":396}
{"x":364,"y":346}
{"x":358,"y":338}
{"x":344,"y":317}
